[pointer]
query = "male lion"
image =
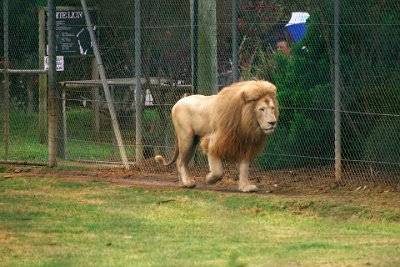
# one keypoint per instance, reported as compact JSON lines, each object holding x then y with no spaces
{"x":232,"y":125}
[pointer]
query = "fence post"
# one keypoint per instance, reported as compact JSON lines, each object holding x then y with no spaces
{"x":96,"y":101}
{"x":52,"y":83}
{"x":6,"y":92}
{"x":42,"y":78}
{"x":338,"y":156}
{"x":138,"y":91}
{"x":100,"y":65}
{"x":64,"y":124}
{"x":194,"y":14}
{"x":207,"y":41}
{"x":235,"y":52}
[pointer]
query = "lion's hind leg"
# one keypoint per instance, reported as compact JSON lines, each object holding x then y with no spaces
{"x":187,"y":148}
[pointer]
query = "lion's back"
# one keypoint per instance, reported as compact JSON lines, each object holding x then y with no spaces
{"x":193,"y":112}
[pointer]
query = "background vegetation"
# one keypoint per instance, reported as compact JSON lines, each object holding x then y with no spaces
{"x":369,"y":61}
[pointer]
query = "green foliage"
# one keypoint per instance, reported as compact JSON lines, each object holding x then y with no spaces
{"x":370,"y":63}
{"x":305,"y":96}
{"x":383,"y":145}
{"x":264,"y":66}
{"x":369,"y":84}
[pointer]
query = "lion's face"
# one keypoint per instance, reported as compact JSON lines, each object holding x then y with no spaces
{"x":266,"y":114}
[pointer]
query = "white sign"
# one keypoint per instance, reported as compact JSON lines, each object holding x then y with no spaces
{"x":298,"y":17}
{"x":60,"y":63}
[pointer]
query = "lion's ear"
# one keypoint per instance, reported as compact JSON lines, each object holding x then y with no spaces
{"x":257,"y":90}
{"x":250,"y":95}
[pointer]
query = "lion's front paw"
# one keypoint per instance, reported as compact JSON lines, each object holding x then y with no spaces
{"x":248,"y":188}
{"x":190,"y":183}
{"x":212,"y":179}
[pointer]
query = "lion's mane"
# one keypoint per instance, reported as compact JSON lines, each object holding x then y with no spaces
{"x":235,"y":127}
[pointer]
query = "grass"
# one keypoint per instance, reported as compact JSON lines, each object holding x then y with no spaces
{"x":61,"y":222}
{"x":81,"y":144}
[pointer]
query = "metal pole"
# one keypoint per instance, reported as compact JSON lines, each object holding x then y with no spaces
{"x":195,"y":26}
{"x":207,"y":47}
{"x":235,"y":52}
{"x":103,"y":78}
{"x":6,"y":92}
{"x":52,"y":82}
{"x":43,"y":81}
{"x":64,"y":124}
{"x":338,"y":143}
{"x":22,"y":71}
{"x":138,"y":91}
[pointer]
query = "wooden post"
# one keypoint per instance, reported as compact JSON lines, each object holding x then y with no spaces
{"x":235,"y":48}
{"x":64,"y":124}
{"x":59,"y":99}
{"x":194,"y":17}
{"x":42,"y":78}
{"x":6,"y":95}
{"x":338,"y":135}
{"x":31,"y":94}
{"x":138,"y":90}
{"x":96,"y":101}
{"x":207,"y":47}
{"x":51,"y":35}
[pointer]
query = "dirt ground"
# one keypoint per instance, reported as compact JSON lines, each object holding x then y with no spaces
{"x":378,"y":196}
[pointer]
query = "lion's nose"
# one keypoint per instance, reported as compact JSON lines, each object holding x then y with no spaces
{"x":272,"y":123}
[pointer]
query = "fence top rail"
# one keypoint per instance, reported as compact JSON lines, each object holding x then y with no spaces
{"x":119,"y":81}
{"x":23,"y":71}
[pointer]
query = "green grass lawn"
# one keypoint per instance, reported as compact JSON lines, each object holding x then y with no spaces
{"x":61,"y":222}
{"x":81,"y":142}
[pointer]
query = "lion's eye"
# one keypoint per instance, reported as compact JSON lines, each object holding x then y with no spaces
{"x":262,"y":110}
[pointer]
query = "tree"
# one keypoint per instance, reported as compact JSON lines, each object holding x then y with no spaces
{"x":369,"y":74}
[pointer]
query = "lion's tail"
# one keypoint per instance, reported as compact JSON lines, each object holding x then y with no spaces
{"x":161,"y":160}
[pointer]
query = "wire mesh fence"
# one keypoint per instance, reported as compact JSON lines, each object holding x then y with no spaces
{"x":186,"y":48}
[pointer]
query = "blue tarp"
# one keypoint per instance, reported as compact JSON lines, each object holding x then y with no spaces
{"x":296,"y":27}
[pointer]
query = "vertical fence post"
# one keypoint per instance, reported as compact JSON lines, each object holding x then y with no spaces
{"x":96,"y":101}
{"x":42,"y":78}
{"x":338,"y":156}
{"x":64,"y":124}
{"x":52,"y":82}
{"x":207,"y":48}
{"x":102,"y":72}
{"x":138,"y":91}
{"x":235,"y":52}
{"x":194,"y":8}
{"x":6,"y":90}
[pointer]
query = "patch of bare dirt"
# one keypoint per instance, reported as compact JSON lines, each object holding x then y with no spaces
{"x":278,"y":183}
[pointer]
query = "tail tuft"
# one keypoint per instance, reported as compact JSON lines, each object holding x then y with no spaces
{"x":160,"y":160}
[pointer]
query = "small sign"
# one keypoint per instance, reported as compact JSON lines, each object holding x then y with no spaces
{"x":60,"y":63}
{"x":72,"y":36}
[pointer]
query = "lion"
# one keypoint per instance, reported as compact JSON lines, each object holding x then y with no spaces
{"x":232,"y":125}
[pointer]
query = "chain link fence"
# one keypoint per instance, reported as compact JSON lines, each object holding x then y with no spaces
{"x":186,"y":48}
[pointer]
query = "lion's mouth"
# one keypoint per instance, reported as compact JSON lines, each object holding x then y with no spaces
{"x":268,"y":130}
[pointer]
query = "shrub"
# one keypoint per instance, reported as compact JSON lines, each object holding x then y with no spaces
{"x":383,"y":145}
